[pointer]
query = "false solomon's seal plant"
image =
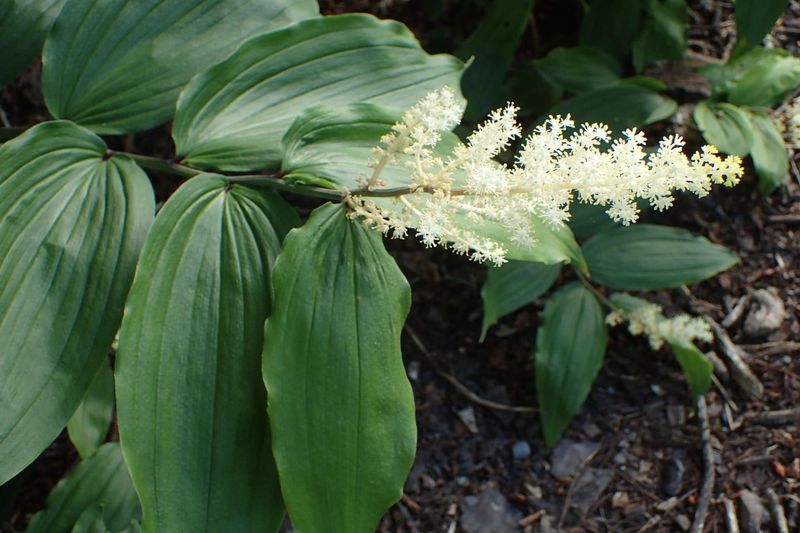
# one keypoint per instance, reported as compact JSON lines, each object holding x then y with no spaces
{"x":258,"y":366}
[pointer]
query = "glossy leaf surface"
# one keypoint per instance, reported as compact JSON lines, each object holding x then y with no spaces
{"x":90,"y":422}
{"x":644,"y":257}
{"x":23,"y":27}
{"x":512,"y":286}
{"x":725,"y":126}
{"x":620,"y":107}
{"x":491,"y":48}
{"x":340,"y":403}
{"x":769,"y":153}
{"x":117,"y":66}
{"x":570,"y":345}
{"x":72,"y":223}
{"x":579,"y":69}
{"x":755,"y":18}
{"x":191,"y":404}
{"x":233,"y":115}
{"x":98,"y":489}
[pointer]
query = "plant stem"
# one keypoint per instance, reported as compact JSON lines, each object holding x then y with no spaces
{"x":261,"y":181}
{"x":162,"y":165}
{"x":272,"y":182}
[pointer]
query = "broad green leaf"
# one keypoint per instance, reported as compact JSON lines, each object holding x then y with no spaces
{"x":767,"y":83}
{"x":579,"y":69}
{"x":621,"y":107}
{"x":233,"y":115}
{"x":697,"y":369}
{"x":23,"y":27}
{"x":586,"y":220}
{"x":190,"y":403}
{"x":89,"y":424}
{"x":570,"y":345}
{"x":492,"y":47}
{"x":754,"y":20}
{"x":329,"y":146}
{"x":531,"y":91}
{"x":98,"y":488}
{"x":768,"y":152}
{"x":725,"y":126}
{"x":512,"y":286}
{"x":724,"y":77}
{"x":72,"y":222}
{"x":643,"y":257}
{"x":332,"y":145}
{"x":664,"y":32}
{"x":611,"y":26}
{"x":117,"y":66}
{"x":340,"y":405}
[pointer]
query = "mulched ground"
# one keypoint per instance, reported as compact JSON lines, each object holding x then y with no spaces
{"x":632,"y":459}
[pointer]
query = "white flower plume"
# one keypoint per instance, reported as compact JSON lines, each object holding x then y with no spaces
{"x":454,"y":196}
{"x":648,"y":319}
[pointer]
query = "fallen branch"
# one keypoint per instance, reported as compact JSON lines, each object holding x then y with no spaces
{"x":708,"y":468}
{"x":730,"y":515}
{"x":732,"y":354}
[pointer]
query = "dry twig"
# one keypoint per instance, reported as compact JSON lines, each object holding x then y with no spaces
{"x":732,"y":354}
{"x":460,"y":387}
{"x":730,"y":515}
{"x":708,"y":468}
{"x":776,"y":509}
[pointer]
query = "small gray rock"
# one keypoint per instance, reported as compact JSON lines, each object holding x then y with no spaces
{"x":590,"y":486}
{"x":766,"y":314}
{"x":752,"y":512}
{"x":521,"y":450}
{"x":568,"y":456}
{"x":489,"y":512}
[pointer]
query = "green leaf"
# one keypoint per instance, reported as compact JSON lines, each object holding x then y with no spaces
{"x":611,"y":26}
{"x":725,"y":126}
{"x":754,"y":20}
{"x":99,"y":483}
{"x":89,"y":424}
{"x":643,"y":257}
{"x":767,"y":83}
{"x":191,"y":406}
{"x":724,"y":77}
{"x":696,"y":367}
{"x":332,"y":145}
{"x":332,"y":361}
{"x":621,"y":107}
{"x":233,"y":115}
{"x":586,"y":220}
{"x":570,"y":345}
{"x":769,"y":154}
{"x":512,"y":286}
{"x":117,"y":66}
{"x":531,"y":91}
{"x":579,"y":69}
{"x":23,"y":27}
{"x":72,"y":222}
{"x":664,"y":33}
{"x":492,"y":46}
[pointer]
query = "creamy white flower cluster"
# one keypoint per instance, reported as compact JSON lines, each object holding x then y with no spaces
{"x":457,"y":199}
{"x":648,"y":319}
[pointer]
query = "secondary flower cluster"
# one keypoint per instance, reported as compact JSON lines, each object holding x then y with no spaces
{"x":463,"y":199}
{"x":649,"y":319}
